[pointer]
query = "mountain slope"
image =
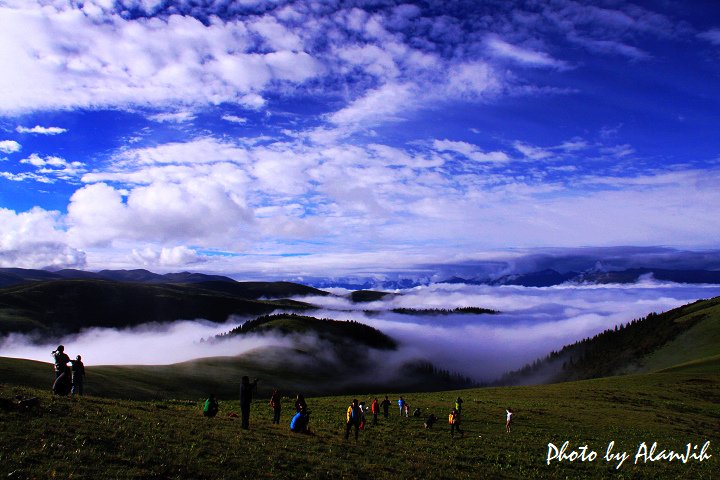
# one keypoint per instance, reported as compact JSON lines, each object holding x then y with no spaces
{"x":689,"y":333}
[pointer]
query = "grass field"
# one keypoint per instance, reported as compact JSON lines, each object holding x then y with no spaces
{"x":103,"y":438}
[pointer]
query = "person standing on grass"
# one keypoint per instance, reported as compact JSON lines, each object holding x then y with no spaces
{"x":509,"y":419}
{"x":458,"y":405}
{"x":386,"y":407}
{"x":63,"y":382}
{"x":78,"y":376}
{"x":454,"y":420}
{"x":362,"y":415}
{"x":430,"y":421}
{"x":300,"y":405}
{"x":401,"y":404}
{"x":354,"y":415}
{"x":275,"y":404}
{"x":211,"y":407}
{"x":246,"y":393}
{"x":375,"y":409}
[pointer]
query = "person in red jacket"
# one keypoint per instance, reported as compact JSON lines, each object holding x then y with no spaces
{"x":375,"y":409}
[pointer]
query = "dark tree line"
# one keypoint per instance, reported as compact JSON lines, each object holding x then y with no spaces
{"x":325,"y":328}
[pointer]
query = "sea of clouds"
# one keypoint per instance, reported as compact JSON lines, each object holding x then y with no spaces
{"x":531,"y":323}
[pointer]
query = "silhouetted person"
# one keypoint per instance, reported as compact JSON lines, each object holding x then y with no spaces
{"x":246,"y":393}
{"x":430,"y":421}
{"x":300,"y":405}
{"x":78,"y":376}
{"x":61,"y":360}
{"x":211,"y":407}
{"x":354,"y":417}
{"x":385,"y":404}
{"x":275,"y":404}
{"x":63,"y":383}
{"x":454,"y":420}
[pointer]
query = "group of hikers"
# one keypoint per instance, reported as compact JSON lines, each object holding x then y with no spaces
{"x":68,"y":379}
{"x":300,"y":419}
{"x":355,"y":416}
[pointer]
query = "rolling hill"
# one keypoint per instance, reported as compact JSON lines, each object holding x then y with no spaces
{"x":690,"y":333}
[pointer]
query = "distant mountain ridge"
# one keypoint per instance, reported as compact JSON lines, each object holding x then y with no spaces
{"x":16,"y":276}
{"x":541,"y":278}
{"x":550,"y":277}
{"x":57,"y":307}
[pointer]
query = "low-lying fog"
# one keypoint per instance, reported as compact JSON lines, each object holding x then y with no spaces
{"x":532,"y":322}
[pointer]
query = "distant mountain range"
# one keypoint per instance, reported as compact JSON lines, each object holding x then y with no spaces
{"x":549,"y":277}
{"x":310,"y":286}
{"x":540,"y":278}
{"x":16,"y":276}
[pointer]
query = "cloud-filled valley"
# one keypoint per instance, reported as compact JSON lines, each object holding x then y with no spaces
{"x":531,"y":323}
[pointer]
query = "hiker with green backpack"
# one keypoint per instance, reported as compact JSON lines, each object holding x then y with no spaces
{"x":211,"y":406}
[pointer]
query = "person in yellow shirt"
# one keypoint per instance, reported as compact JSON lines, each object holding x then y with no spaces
{"x":354,"y":414}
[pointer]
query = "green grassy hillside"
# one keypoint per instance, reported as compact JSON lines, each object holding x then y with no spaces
{"x":66,"y":306}
{"x":700,"y":341}
{"x":656,"y":342}
{"x":103,"y":438}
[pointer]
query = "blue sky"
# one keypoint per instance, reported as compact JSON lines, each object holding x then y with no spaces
{"x":271,"y":138}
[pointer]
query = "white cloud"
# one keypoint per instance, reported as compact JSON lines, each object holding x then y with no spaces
{"x":382,"y":104}
{"x":234,"y":119}
{"x":174,"y":117}
{"x":151,"y":344}
{"x":472,"y":80}
{"x":9,"y":146}
{"x":37,"y":129}
{"x":712,"y":36}
{"x":196,"y":151}
{"x":35,"y":239}
{"x":532,"y":152}
{"x":470,"y":151}
{"x":523,"y":56}
{"x":52,"y":168}
{"x":172,"y":257}
{"x":199,"y":210}
{"x":63,"y":58}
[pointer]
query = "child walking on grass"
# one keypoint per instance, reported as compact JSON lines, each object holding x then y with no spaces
{"x":509,"y":419}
